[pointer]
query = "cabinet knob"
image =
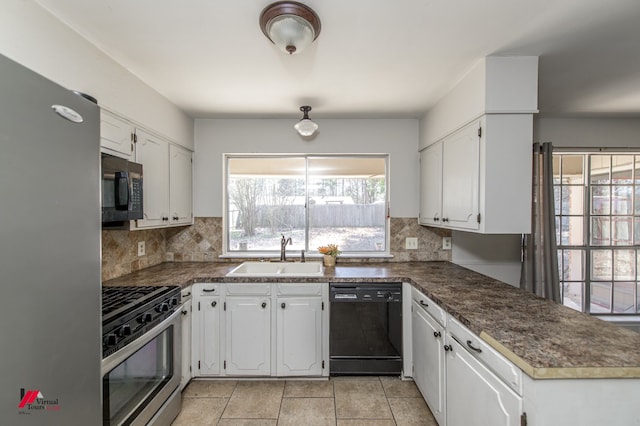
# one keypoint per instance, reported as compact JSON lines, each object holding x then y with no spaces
{"x":283,"y":305}
{"x":213,"y":304}
{"x":437,"y":334}
{"x":448,"y":348}
{"x":470,"y":344}
{"x":436,"y":219}
{"x":264,"y":305}
{"x":185,"y":312}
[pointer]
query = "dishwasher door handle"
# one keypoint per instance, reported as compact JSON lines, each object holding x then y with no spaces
{"x":345,"y":296}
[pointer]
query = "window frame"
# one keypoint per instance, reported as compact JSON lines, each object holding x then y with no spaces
{"x":310,"y":252}
{"x":587,"y":247}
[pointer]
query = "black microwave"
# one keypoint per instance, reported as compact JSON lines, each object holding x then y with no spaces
{"x":121,"y":191}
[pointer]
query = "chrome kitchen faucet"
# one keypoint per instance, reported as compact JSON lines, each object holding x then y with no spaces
{"x":283,"y":244}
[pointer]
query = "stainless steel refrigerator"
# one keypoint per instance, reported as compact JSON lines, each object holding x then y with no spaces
{"x":50,"y":347}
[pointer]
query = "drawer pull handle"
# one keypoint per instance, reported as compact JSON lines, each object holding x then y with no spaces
{"x":213,"y":304}
{"x":470,"y":344}
{"x":185,"y":312}
{"x":426,"y":305}
{"x":208,"y":290}
{"x":437,"y":334}
{"x":448,"y":348}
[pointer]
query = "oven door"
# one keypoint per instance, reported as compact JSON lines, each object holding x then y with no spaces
{"x":144,"y":376}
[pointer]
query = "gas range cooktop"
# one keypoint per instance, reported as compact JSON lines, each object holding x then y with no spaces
{"x":129,"y":312}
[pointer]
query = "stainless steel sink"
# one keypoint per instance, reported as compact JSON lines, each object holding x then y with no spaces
{"x":277,"y":269}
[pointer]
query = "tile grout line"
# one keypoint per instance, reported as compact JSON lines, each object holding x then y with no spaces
{"x":227,"y":404}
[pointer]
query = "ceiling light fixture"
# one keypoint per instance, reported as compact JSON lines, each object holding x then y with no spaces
{"x":306,"y":127}
{"x":290,"y":25}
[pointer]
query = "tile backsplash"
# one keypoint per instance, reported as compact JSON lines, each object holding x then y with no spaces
{"x":202,"y":242}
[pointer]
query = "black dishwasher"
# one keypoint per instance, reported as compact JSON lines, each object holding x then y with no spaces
{"x":365,"y":329}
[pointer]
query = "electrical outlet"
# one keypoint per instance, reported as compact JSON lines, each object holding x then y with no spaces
{"x":411,"y":244}
{"x":141,"y":248}
{"x":446,"y":243}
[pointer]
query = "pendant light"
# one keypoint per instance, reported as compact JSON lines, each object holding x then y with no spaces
{"x":290,"y":25}
{"x":306,"y":127}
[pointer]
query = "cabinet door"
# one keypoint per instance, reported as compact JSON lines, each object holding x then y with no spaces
{"x":186,"y":344}
{"x":153,"y":154}
{"x":475,"y":396}
{"x":180,"y":186}
{"x":206,"y":335}
{"x":248,"y":336}
{"x":428,"y":360}
{"x":116,"y":135}
{"x":431,"y":185}
{"x":299,"y":336}
{"x":461,"y":178}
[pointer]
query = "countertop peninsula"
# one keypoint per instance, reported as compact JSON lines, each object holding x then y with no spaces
{"x":544,"y":339}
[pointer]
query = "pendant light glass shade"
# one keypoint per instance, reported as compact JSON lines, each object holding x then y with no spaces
{"x":290,"y":25}
{"x":306,"y":127}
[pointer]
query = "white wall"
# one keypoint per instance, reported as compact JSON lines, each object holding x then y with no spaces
{"x":397,"y":137}
{"x":32,"y":37}
{"x":588,"y":132}
{"x":497,"y":256}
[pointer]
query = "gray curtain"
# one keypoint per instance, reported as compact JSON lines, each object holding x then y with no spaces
{"x":540,"y":259}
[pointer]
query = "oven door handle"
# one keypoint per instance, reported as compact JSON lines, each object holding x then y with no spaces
{"x":113,"y":360}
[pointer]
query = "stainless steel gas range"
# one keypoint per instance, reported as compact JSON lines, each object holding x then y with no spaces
{"x":141,"y":355}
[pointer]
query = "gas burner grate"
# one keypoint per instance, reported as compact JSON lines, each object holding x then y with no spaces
{"x":114,"y":298}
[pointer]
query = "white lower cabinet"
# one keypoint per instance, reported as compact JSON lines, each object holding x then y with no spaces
{"x":428,"y":359}
{"x":475,"y":396}
{"x":248,"y":336}
{"x":463,"y":380}
{"x":206,"y":308}
{"x":260,"y":329}
{"x":186,"y":338}
{"x":299,"y":336}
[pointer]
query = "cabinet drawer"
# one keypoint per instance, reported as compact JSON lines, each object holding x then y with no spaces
{"x":205,"y":289}
{"x":495,"y":362}
{"x":300,"y":289}
{"x":185,"y":293}
{"x":255,"y":289}
{"x":429,"y":306}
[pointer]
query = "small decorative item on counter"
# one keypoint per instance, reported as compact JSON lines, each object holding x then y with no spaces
{"x":330,"y":252}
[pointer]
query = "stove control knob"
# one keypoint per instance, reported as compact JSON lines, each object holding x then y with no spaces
{"x":388,"y":295}
{"x":111,"y":339}
{"x":174,"y":301}
{"x":147,"y":317}
{"x":125,"y":330}
{"x":164,"y":307}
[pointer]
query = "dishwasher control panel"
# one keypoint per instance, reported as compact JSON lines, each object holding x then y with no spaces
{"x":365,"y":292}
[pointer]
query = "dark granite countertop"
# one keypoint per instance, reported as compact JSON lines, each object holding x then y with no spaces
{"x":544,"y":339}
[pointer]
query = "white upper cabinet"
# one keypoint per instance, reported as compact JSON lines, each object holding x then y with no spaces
{"x":460,"y":176}
{"x":167,"y":182}
{"x":180,"y":186}
{"x":431,"y":185}
{"x":485,"y":129}
{"x":116,"y":135}
{"x":153,"y":153}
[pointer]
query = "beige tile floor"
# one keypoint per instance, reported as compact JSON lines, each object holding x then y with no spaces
{"x":343,"y":401}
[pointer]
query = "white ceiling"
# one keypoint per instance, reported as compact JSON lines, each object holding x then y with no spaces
{"x":373,"y":58}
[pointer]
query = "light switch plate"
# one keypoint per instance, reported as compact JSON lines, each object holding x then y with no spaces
{"x":141,"y":248}
{"x":446,"y":243}
{"x":411,"y":243}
